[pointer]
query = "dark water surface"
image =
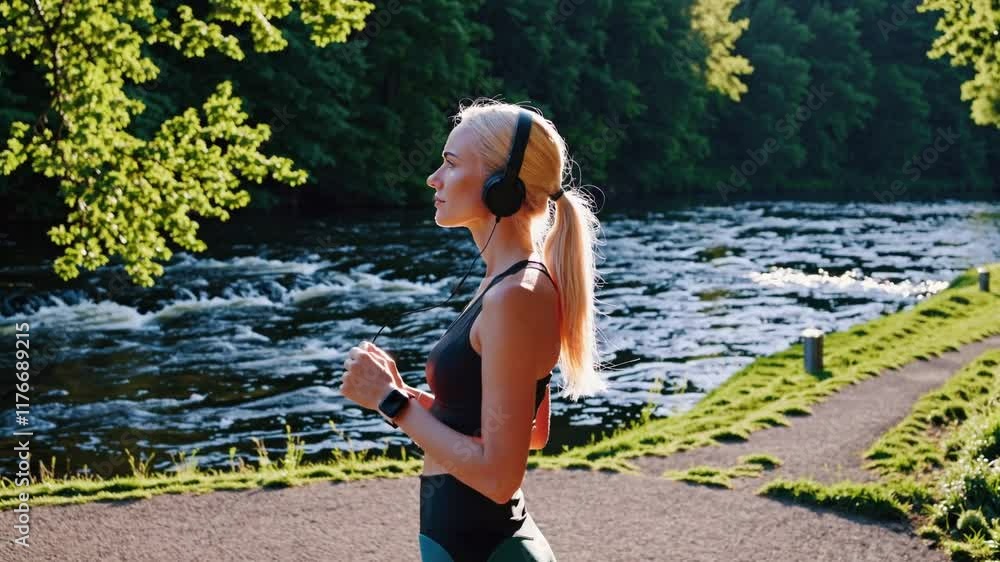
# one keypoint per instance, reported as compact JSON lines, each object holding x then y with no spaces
{"x":250,"y":336}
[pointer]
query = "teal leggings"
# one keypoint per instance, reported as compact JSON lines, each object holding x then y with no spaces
{"x":514,"y":549}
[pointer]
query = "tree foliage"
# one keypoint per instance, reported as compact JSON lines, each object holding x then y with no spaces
{"x":126,"y":193}
{"x":970,"y":35}
{"x":711,"y":18}
{"x":141,"y":132}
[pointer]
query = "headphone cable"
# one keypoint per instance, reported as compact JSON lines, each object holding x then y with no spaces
{"x":455,"y":289}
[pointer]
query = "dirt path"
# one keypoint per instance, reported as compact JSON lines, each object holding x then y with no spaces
{"x":828,"y":445}
{"x":584,"y":515}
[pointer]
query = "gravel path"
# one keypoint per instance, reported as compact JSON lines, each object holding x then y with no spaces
{"x":828,"y":445}
{"x":584,"y":515}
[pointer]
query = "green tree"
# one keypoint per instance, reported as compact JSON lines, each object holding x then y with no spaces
{"x":125,"y":192}
{"x":778,"y":86}
{"x":665,"y":143}
{"x":970,"y":35}
{"x":711,"y":19}
{"x":915,"y":101}
{"x":841,"y":66}
{"x":418,"y":65}
{"x":554,"y":56}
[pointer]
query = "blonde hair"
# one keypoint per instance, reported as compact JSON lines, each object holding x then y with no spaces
{"x":564,"y":233}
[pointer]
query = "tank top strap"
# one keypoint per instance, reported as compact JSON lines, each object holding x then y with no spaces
{"x":520,"y":265}
{"x":511,"y":270}
{"x":475,"y":301}
{"x":545,"y":270}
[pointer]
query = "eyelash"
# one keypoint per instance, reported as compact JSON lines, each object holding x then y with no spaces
{"x":450,"y":165}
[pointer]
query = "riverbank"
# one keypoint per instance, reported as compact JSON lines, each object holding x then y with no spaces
{"x":584,"y":514}
{"x":768,"y":393}
{"x":774,"y":389}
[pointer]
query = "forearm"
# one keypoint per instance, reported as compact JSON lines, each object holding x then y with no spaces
{"x":461,"y":455}
{"x":425,"y":399}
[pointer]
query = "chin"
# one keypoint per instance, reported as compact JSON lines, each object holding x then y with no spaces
{"x":449,"y":218}
{"x":442,"y":219}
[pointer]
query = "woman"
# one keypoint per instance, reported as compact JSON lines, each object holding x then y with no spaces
{"x":489,"y":373}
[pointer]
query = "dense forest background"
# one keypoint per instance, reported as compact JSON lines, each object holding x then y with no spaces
{"x":842,"y":100}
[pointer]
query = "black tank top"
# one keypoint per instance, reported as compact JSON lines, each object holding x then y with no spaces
{"x":454,"y":369}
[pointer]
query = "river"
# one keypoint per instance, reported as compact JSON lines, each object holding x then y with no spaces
{"x":251,"y":335}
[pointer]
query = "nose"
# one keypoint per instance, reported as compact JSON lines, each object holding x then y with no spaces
{"x":433,"y":180}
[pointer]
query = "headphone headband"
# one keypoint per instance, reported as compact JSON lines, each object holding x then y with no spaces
{"x":521,"y":134}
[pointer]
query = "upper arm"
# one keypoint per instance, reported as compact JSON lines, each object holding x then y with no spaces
{"x":515,"y":333}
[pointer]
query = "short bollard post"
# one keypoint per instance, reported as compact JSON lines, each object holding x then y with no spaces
{"x":813,"y":348}
{"x":984,"y":279}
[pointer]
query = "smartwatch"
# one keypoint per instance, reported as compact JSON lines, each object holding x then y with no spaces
{"x":392,"y":405}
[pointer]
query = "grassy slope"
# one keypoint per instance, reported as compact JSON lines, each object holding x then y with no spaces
{"x":939,"y":468}
{"x":761,"y":395}
{"x":772,"y":388}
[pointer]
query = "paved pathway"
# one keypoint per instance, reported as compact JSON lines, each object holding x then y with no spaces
{"x":584,"y":515}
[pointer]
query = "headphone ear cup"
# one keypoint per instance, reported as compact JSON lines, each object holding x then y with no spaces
{"x":519,"y":191}
{"x":490,"y":191}
{"x":501,"y":198}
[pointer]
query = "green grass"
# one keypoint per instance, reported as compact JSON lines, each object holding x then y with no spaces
{"x":926,"y":440}
{"x":750,"y":466}
{"x":939,"y":468}
{"x":872,"y":501}
{"x":765,"y":393}
{"x":286,"y":471}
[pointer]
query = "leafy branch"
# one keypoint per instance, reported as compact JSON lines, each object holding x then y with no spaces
{"x":126,"y":194}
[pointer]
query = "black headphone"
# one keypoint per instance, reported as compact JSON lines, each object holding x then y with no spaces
{"x":503,"y":192}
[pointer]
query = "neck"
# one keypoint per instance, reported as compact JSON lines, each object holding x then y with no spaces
{"x":509,"y":245}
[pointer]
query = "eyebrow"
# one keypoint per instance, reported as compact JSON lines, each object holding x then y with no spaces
{"x":452,"y":154}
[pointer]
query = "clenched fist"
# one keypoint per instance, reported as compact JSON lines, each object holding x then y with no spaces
{"x":367,"y":379}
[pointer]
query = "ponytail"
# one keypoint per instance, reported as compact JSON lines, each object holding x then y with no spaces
{"x":569,"y":251}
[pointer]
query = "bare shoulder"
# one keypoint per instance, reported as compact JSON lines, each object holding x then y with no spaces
{"x":529,"y":292}
{"x":524,"y":299}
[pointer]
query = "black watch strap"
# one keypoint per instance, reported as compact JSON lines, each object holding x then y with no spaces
{"x":393,"y":404}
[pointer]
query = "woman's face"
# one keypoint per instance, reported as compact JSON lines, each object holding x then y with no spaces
{"x":458,"y":182}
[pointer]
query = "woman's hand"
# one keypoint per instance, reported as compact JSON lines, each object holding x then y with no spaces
{"x":367,"y":380}
{"x":382,"y":357}
{"x":425,"y":399}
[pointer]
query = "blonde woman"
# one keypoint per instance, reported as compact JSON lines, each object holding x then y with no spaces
{"x":489,"y":372}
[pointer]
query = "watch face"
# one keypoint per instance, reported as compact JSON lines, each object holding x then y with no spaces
{"x":393,"y":403}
